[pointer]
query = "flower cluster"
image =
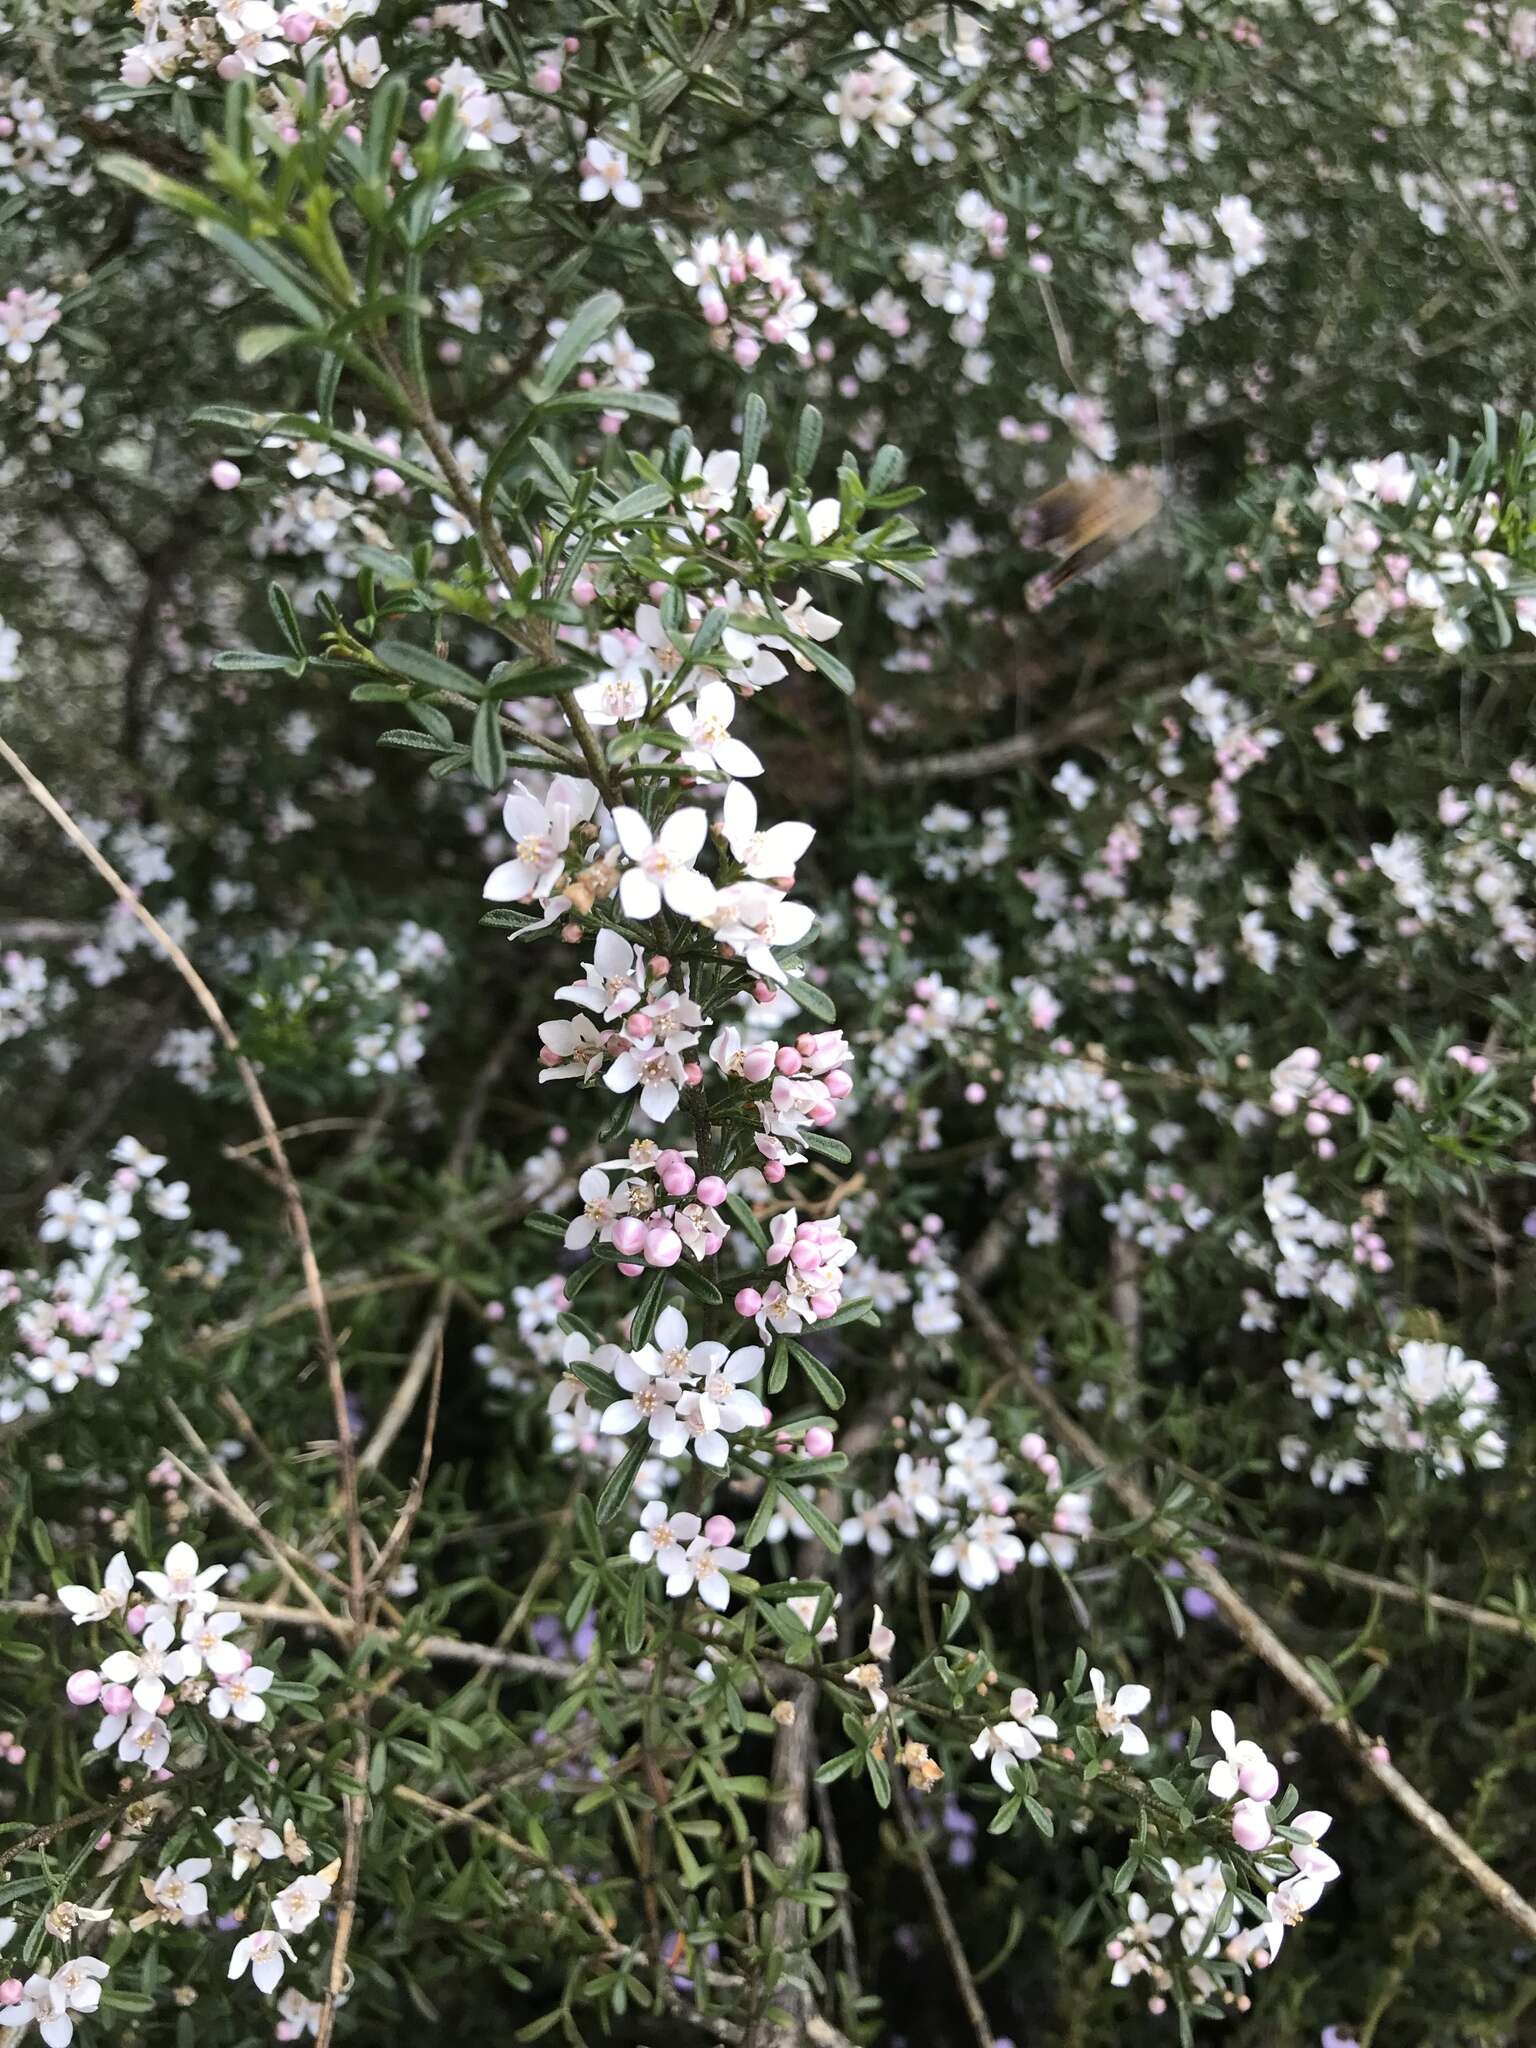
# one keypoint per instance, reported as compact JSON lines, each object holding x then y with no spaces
{"x":179,"y":1655}
{"x":86,"y":1319}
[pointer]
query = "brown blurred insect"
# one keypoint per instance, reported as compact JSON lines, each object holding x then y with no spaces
{"x":1084,"y":523}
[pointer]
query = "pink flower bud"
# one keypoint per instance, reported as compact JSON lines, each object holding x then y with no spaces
{"x":584,"y":590}
{"x":82,"y":1688}
{"x":116,"y":1699}
{"x":387,"y":483}
{"x":1115,"y":1950}
{"x":757,"y":1063}
{"x":12,"y":1991}
{"x":136,"y":1617}
{"x":1316,"y":1124}
{"x":546,"y":79}
{"x":224,"y":476}
{"x":1259,"y":1781}
{"x":628,"y":1236}
{"x":231,"y":67}
{"x":693,"y":1073}
{"x":839,"y":1084}
{"x":773,"y":1171}
{"x":450,"y":352}
{"x":719,"y":1530}
{"x":297,"y":26}
{"x":630,"y":1270}
{"x":1032,"y":1446}
{"x":663,"y":1247}
{"x":15,"y":1754}
{"x":748,"y":1301}
{"x":975,"y":1093}
{"x":640,"y":1027}
{"x":787,"y":1060}
{"x":1250,"y":1826}
{"x":821,"y":1113}
{"x":711,"y":1191}
{"x":823,"y":1305}
{"x":763,"y":992}
{"x":819,"y":1441}
{"x":1038,"y":51}
{"x":712,"y":1243}
{"x":678,"y":1180}
{"x":1283,"y":1102}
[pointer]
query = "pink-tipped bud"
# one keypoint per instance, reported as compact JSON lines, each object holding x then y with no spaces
{"x":663,"y":1247}
{"x":387,"y":483}
{"x":630,"y":1270}
{"x":693,"y":1073}
{"x":546,"y":79}
{"x":136,"y":1619}
{"x":225,"y":476}
{"x":819,"y":1441}
{"x":805,"y":1258}
{"x":975,"y":1093}
{"x":628,"y":1236}
{"x":584,"y":590}
{"x":83,"y":1688}
{"x":823,"y":1305}
{"x":839,"y":1084}
{"x":116,"y":1699}
{"x":12,"y":1991}
{"x":711,"y":1191}
{"x":1259,"y":1781}
{"x":757,"y":1062}
{"x":1250,"y":1826}
{"x":1114,"y":1950}
{"x":1032,"y":1446}
{"x":748,"y":1301}
{"x":773,"y":1171}
{"x":231,"y":67}
{"x":297,"y":26}
{"x":763,"y":992}
{"x":821,"y":1113}
{"x":640,"y":1027}
{"x":1315,"y":1124}
{"x":787,"y":1060}
{"x":15,"y":1754}
{"x":1283,"y":1102}
{"x":678,"y":1180}
{"x":719,"y":1530}
{"x":712,"y":1243}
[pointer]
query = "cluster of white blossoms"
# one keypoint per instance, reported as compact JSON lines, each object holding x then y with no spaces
{"x":84,"y":1320}
{"x":962,"y":1495}
{"x":873,"y":93}
{"x":749,"y":294}
{"x":1170,"y":295}
{"x":1066,"y":1108}
{"x":1399,"y":546}
{"x":29,"y":994}
{"x":1215,"y":1950}
{"x":177,"y":1896}
{"x":179,"y":1654}
{"x":1428,"y":1401}
{"x":239,"y":38}
{"x":367,"y":995}
{"x":34,"y":149}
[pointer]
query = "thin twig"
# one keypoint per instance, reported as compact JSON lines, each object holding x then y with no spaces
{"x":1389,"y":1589}
{"x":1260,"y":1638}
{"x":938,"y":1905}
